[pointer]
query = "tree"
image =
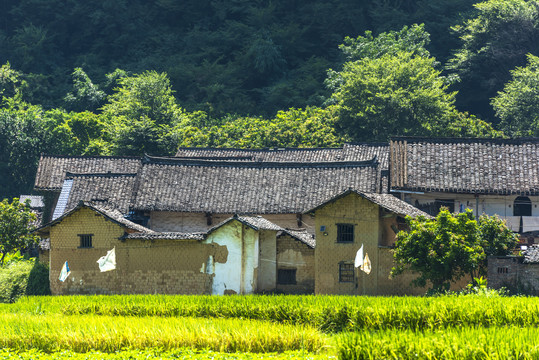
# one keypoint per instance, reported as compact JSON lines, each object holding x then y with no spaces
{"x":444,"y":249}
{"x":391,"y":86}
{"x":15,"y":227}
{"x":85,"y":95}
{"x":400,"y":94}
{"x":517,"y":106}
{"x":310,"y":127}
{"x":494,"y":41}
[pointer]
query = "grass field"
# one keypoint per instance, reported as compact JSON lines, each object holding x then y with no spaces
{"x":270,"y":327}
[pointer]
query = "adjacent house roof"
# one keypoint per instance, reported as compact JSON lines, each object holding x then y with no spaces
{"x":52,"y":169}
{"x":35,"y":201}
{"x":531,"y":255}
{"x":301,"y":235}
{"x":111,"y":214}
{"x":115,"y":190}
{"x":349,"y":152}
{"x":164,"y":236}
{"x":255,"y":222}
{"x":386,"y":201}
{"x":477,"y":166}
{"x":247,"y":187}
{"x":264,"y":155}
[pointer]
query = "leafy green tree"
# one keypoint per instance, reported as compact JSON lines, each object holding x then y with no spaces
{"x":15,"y":227}
{"x":517,"y":106}
{"x":496,"y":239}
{"x":311,"y":127}
{"x":444,"y":249}
{"x":85,"y":95}
{"x":413,"y":39}
{"x":399,"y":94}
{"x":494,"y":41}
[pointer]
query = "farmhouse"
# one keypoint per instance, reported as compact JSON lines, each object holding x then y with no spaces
{"x":208,"y":220}
{"x":491,"y":176}
{"x":220,"y":221}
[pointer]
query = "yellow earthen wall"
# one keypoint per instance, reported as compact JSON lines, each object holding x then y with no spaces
{"x":293,"y":254}
{"x":161,"y":266}
{"x":363,"y":214}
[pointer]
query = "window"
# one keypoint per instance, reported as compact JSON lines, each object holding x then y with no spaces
{"x":503,"y":270}
{"x":286,"y":277}
{"x":345,"y":233}
{"x":522,"y":206}
{"x":85,"y":240}
{"x":346,"y":272}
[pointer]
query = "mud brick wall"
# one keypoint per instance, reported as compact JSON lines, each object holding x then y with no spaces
{"x":143,"y":267}
{"x":294,"y":254}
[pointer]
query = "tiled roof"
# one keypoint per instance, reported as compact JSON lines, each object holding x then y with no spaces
{"x":386,"y":201}
{"x":531,"y":255}
{"x":112,"y":214}
{"x":478,"y":166}
{"x":164,"y":236}
{"x":349,"y":152}
{"x":301,"y":235}
{"x":52,"y":169}
{"x":247,"y":187}
{"x":264,"y":155}
{"x":35,"y":201}
{"x":366,"y":151}
{"x":115,"y":190}
{"x":255,"y":222}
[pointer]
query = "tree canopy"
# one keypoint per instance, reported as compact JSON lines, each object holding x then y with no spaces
{"x":444,"y":249}
{"x":15,"y":227}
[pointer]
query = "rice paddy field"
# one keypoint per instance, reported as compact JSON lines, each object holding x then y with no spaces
{"x":270,"y":327}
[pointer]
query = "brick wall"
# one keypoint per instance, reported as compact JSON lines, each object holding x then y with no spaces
{"x":294,"y":254}
{"x":510,"y":272}
{"x":161,"y":266}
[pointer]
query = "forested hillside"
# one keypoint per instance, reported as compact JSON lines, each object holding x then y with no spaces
{"x":132,"y":77}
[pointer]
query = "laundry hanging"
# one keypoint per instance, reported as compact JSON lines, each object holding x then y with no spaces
{"x":64,"y":273}
{"x":107,"y":262}
{"x":366,"y":267}
{"x":359,"y":257}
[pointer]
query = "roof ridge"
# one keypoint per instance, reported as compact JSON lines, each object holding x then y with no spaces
{"x":92,"y":156}
{"x":415,"y":139}
{"x":260,"y":164}
{"x":268,"y":149}
{"x":106,"y":174}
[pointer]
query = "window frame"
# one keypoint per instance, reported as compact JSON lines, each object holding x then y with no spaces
{"x":347,"y":273}
{"x":85,"y":241}
{"x":290,"y":276}
{"x":345,"y":237}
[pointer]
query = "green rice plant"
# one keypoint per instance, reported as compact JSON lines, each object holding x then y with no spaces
{"x":471,"y":343}
{"x":83,"y":333}
{"x":329,"y":314}
{"x":145,"y":354}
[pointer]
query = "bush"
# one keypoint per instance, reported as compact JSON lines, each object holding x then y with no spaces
{"x":24,"y":277}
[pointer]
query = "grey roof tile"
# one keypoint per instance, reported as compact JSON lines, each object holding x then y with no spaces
{"x":164,"y":236}
{"x":482,"y":166}
{"x":247,"y":187}
{"x":386,"y":201}
{"x":302,"y":235}
{"x":52,"y":169}
{"x":35,"y":200}
{"x":112,"y":190}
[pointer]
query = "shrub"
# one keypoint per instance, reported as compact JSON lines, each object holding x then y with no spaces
{"x":24,"y":277}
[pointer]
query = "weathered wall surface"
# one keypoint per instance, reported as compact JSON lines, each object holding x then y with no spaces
{"x":267,"y":272}
{"x":161,"y":266}
{"x":293,"y":254}
{"x":198,"y":222}
{"x":363,"y":214}
{"x":510,"y":272}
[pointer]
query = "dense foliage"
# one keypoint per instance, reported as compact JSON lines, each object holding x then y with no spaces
{"x":444,"y":249}
{"x":147,"y":77}
{"x":16,"y":224}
